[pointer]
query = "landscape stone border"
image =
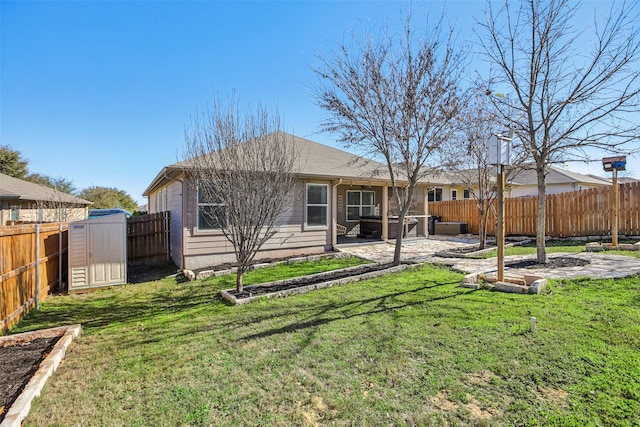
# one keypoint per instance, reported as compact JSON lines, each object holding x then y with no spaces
{"x":227,"y":295}
{"x":597,"y":247}
{"x":526,"y":284}
{"x":20,"y":408}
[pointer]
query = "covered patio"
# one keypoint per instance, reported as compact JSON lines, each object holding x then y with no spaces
{"x":366,"y":211}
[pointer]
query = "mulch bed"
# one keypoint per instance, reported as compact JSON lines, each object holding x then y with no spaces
{"x":18,"y":363}
{"x":557,"y":262}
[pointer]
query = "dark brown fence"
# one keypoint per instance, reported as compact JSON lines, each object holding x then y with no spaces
{"x":33,"y":263}
{"x":577,"y":213}
{"x":148,"y":238}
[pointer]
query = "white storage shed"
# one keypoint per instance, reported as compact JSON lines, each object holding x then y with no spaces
{"x":98,"y":252}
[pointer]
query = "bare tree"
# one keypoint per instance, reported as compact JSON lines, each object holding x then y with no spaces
{"x":468,"y":154}
{"x":562,"y":95}
{"x":58,"y":208}
{"x":245,"y":168}
{"x":395,"y":98}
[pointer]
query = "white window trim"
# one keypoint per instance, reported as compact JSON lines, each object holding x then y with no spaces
{"x":198,"y":205}
{"x":468,"y":191}
{"x":453,"y":191}
{"x":360,"y":206}
{"x":307,"y":204}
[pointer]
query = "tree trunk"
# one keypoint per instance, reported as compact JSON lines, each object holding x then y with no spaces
{"x":398,"y":248}
{"x":239,"y":274}
{"x":541,"y":217}
{"x":482,"y":235}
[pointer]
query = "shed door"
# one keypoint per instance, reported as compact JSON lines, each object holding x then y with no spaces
{"x":107,"y":260}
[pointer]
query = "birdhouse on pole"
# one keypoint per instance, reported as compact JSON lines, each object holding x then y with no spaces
{"x":618,"y":163}
{"x":499,"y":150}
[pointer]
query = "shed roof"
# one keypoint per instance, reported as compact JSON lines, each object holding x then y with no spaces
{"x":18,"y":189}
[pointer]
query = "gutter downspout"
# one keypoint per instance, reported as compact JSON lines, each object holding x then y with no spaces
{"x":334,"y":213}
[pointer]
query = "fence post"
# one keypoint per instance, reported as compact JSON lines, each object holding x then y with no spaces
{"x":37,"y":266}
{"x":60,"y":257}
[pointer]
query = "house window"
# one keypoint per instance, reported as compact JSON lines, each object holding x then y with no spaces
{"x":40,"y":214}
{"x":359,"y":203}
{"x":435,"y":195}
{"x":15,"y":213}
{"x":317,"y":204}
{"x":212,"y":212}
{"x":467,"y":194}
{"x":454,"y":194}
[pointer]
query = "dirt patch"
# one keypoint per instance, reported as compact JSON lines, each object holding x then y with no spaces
{"x":477,"y":378}
{"x":150,"y":271}
{"x":18,"y":362}
{"x":441,"y":403}
{"x":557,"y":262}
{"x":552,"y":395}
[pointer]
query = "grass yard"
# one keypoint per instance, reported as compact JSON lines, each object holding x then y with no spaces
{"x":555,"y":246}
{"x":411,"y":348}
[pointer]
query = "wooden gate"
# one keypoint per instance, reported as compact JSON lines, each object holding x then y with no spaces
{"x":148,"y":238}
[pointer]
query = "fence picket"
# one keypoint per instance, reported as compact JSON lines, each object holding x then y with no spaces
{"x":18,"y":265}
{"x":578,"y":213}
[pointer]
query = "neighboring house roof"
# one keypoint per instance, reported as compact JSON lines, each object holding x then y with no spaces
{"x":621,"y":179}
{"x":626,"y":179}
{"x":18,"y":189}
{"x":316,"y":161}
{"x":558,"y":176}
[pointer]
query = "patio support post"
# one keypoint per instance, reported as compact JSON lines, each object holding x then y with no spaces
{"x":385,"y":213}
{"x":334,"y":213}
{"x":425,"y":212}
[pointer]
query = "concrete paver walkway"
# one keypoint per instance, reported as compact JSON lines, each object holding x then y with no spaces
{"x":601,"y":265}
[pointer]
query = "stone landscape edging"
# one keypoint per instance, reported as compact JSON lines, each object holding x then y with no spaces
{"x":20,"y":408}
{"x":226,"y":294}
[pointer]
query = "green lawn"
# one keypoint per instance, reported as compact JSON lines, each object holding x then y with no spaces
{"x":555,"y":246}
{"x":411,"y":348}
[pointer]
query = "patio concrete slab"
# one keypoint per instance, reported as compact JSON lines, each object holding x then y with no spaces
{"x":601,"y":265}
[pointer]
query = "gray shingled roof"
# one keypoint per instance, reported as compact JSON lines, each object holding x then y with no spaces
{"x":14,"y":188}
{"x":319,"y":160}
{"x":323,"y":162}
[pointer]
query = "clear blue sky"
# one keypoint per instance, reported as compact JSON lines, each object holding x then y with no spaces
{"x":100,"y":92}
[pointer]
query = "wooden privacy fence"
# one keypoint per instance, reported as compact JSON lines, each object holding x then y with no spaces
{"x":577,"y":213}
{"x":148,"y":238}
{"x":33,"y":261}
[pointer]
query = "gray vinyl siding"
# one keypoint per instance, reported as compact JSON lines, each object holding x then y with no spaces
{"x":174,"y":205}
{"x":207,"y":248}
